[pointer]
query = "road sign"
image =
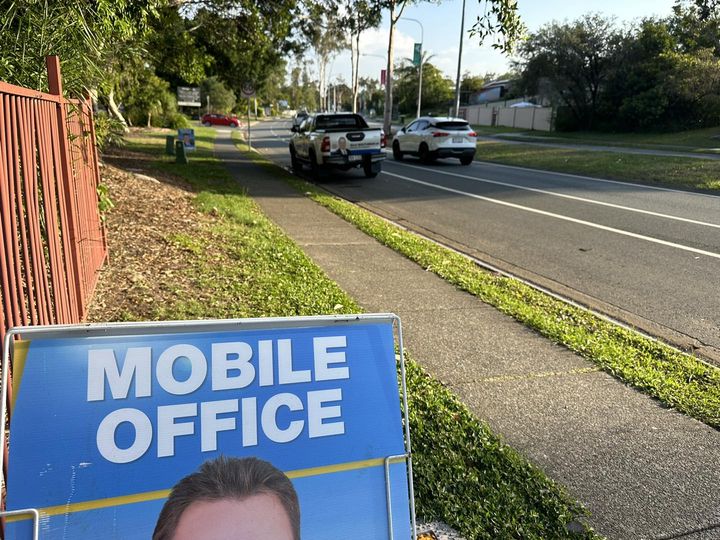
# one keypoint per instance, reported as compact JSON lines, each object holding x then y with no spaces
{"x":247,"y":90}
{"x":417,"y":54}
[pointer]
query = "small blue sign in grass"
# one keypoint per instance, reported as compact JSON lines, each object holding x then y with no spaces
{"x":187,"y":136}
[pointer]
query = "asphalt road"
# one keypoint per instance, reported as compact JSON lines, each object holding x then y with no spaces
{"x":647,"y":256}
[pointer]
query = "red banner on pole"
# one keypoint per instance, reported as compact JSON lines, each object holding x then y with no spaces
{"x":383,"y":77}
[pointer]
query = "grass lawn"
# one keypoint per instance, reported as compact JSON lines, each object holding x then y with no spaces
{"x":244,"y":266}
{"x":654,"y":170}
{"x":696,"y":140}
{"x":693,"y":140}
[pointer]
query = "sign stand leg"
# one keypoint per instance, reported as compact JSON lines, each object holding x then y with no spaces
{"x":25,"y":511}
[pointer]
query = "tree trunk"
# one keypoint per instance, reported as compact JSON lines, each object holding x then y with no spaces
{"x":322,"y":87}
{"x":115,"y":111}
{"x":387,"y":116}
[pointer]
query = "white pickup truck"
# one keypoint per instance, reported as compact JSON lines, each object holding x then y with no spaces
{"x":337,"y":140}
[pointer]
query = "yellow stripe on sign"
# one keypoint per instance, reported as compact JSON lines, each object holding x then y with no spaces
{"x":340,"y":467}
{"x":98,"y":504}
{"x":19,"y":356}
{"x":163,"y":493}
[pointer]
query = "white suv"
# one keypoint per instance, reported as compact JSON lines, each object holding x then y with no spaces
{"x":431,"y":137}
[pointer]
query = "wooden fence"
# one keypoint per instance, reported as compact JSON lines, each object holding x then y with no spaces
{"x":52,"y":240}
{"x":531,"y":118}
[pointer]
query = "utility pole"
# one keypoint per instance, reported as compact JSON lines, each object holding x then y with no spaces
{"x":387,"y":113}
{"x":457,"y":80}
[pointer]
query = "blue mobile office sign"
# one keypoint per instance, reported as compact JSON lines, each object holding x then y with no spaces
{"x":106,"y":419}
{"x":187,"y":136}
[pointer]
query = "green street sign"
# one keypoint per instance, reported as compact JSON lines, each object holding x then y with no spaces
{"x":417,"y":54}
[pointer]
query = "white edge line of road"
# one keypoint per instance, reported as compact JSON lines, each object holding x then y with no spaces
{"x":572,"y":197}
{"x":561,"y":217}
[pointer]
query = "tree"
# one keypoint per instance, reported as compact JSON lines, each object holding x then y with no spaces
{"x":696,"y":25}
{"x":371,"y":94}
{"x":575,"y":58}
{"x":173,"y":49}
{"x":309,"y":92}
{"x":361,"y":15}
{"x":86,"y":36}
{"x":328,"y":36}
{"x":220,"y":98}
{"x":501,"y":20}
{"x":635,"y":93}
{"x":94,"y":40}
{"x":245,"y":39}
{"x":437,"y":89}
{"x":470,"y":84}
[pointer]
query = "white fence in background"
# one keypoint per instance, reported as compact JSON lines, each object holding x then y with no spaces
{"x":530,"y":118}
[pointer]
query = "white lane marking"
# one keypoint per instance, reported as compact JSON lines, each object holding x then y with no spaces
{"x":284,"y":138}
{"x":594,"y":179}
{"x":572,"y":197}
{"x":223,"y":131}
{"x":558,"y":216}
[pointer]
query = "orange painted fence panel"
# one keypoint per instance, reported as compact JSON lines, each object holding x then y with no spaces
{"x":52,"y":240}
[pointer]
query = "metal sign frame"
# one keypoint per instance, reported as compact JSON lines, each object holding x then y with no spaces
{"x":27,"y":333}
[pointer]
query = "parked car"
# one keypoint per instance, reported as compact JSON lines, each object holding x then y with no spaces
{"x":431,"y":137}
{"x":337,"y":141}
{"x":219,"y":120}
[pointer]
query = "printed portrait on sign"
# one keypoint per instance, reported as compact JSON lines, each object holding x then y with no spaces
{"x":342,"y":149}
{"x":242,"y":497}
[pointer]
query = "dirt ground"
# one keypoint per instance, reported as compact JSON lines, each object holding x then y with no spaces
{"x":149,"y":208}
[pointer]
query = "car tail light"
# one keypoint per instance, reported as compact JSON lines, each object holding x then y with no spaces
{"x":472,"y":134}
{"x":440,"y":134}
{"x":382,"y":139}
{"x":325,"y":144}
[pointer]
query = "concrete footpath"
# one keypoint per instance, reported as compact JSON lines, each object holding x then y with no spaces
{"x":642,"y":470}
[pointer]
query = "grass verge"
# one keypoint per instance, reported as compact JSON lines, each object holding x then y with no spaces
{"x":246,"y":267}
{"x":678,"y":380}
{"x":694,"y":140}
{"x":700,"y":174}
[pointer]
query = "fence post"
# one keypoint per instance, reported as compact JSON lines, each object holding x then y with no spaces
{"x":68,"y":191}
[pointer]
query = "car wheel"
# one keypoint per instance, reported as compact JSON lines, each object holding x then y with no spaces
{"x":295,"y":162}
{"x":206,"y":124}
{"x":397,"y":154}
{"x":314,"y":168}
{"x":466,"y":160}
{"x":371,"y":169}
{"x":425,"y":155}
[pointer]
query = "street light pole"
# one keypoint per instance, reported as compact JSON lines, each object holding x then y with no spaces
{"x":457,"y":80}
{"x":422,"y":33}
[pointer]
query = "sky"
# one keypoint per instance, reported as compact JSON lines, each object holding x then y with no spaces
{"x":441,"y":33}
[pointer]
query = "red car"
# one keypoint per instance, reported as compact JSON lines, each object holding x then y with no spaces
{"x":219,"y":120}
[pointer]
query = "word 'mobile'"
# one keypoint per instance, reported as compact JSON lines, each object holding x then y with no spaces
{"x":231,"y":366}
{"x":107,"y":419}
